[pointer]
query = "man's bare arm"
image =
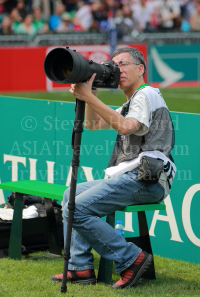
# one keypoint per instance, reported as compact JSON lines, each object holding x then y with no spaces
{"x":125,"y":126}
{"x":93,"y":120}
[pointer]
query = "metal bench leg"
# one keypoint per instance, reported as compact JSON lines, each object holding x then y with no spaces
{"x":53,"y":236}
{"x":15,"y":244}
{"x":105,"y":266}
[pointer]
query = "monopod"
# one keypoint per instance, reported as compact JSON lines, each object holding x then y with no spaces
{"x":76,"y":145}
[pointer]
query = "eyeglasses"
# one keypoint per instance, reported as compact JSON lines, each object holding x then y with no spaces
{"x":123,"y":65}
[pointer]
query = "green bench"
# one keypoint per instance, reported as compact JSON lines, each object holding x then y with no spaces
{"x":54,"y":191}
{"x":42,"y":224}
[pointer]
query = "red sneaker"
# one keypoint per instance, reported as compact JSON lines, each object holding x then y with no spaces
{"x":133,"y":273}
{"x":86,"y":277}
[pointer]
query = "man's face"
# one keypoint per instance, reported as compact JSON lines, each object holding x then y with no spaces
{"x":129,"y":74}
{"x":37,"y":12}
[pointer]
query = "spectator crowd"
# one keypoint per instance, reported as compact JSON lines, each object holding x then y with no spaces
{"x":130,"y":17}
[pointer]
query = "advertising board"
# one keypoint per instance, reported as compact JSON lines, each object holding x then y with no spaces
{"x":174,"y":65}
{"x":36,"y":144}
{"x":23,"y":67}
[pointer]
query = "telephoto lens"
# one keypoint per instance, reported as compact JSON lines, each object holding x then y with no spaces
{"x":63,"y":65}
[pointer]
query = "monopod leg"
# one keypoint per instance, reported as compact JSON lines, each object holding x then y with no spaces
{"x":76,"y":143}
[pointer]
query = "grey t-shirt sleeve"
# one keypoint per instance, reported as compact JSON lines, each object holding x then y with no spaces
{"x":140,"y":110}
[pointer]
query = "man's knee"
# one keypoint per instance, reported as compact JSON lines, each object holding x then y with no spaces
{"x":65,"y":211}
{"x":78,"y":215}
{"x":66,"y":196}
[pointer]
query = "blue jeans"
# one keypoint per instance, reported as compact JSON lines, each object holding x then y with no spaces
{"x":96,"y":199}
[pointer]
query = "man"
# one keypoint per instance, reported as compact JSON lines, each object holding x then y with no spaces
{"x":140,"y":129}
{"x":83,"y":18}
{"x":56,"y":19}
{"x":169,"y":13}
{"x":144,"y":9}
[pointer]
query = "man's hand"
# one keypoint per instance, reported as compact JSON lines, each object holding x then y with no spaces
{"x":82,"y":91}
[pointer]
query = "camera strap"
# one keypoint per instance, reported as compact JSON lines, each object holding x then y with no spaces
{"x":125,"y":108}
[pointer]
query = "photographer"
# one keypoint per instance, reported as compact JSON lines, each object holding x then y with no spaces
{"x":144,"y":126}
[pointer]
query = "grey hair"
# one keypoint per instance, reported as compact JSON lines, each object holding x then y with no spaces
{"x":136,"y":55}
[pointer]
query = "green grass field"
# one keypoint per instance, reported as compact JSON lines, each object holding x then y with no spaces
{"x":31,"y":278}
{"x":177,"y":99}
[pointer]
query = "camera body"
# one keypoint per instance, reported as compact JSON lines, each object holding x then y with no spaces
{"x":65,"y":66}
{"x":113,"y":80}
